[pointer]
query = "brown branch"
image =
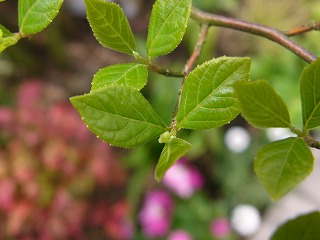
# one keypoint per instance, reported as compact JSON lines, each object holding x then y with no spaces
{"x":303,"y":29}
{"x":197,"y":49}
{"x":272,"y":34}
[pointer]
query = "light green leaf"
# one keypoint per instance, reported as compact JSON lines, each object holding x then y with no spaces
{"x":110,"y":26}
{"x":172,"y":151}
{"x":130,"y":74}
{"x":119,"y":115}
{"x":208,"y":99}
{"x":168,"y":23}
{"x":36,"y":15}
{"x":7,"y":39}
{"x":304,"y":227}
{"x":261,"y":106}
{"x":310,"y":95}
{"x":283,"y":164}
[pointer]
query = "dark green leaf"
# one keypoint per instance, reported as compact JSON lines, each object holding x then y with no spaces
{"x":261,"y":106}
{"x":310,"y":95}
{"x":119,"y":115}
{"x":304,"y":227}
{"x":172,"y":151}
{"x":130,"y":74}
{"x":36,"y":15}
{"x":110,"y":26}
{"x":283,"y":164}
{"x":208,"y":99}
{"x":168,"y":23}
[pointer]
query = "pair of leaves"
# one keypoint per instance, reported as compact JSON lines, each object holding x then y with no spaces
{"x":283,"y":164}
{"x":167,"y":26}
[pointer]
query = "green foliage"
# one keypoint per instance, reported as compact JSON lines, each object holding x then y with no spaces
{"x":172,"y":151}
{"x":168,"y":23}
{"x":130,"y":74}
{"x":261,"y":106}
{"x":283,"y":164}
{"x":110,"y":26}
{"x":302,"y":228}
{"x":211,"y":95}
{"x":208,"y":99}
{"x":7,"y":39}
{"x":119,"y":115}
{"x":36,"y":15}
{"x":310,"y":95}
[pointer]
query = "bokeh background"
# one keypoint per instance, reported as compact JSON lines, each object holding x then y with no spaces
{"x":59,"y":182}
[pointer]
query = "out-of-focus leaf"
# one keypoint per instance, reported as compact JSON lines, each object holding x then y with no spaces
{"x":304,"y":227}
{"x":283,"y":164}
{"x":310,"y":95}
{"x":261,"y":106}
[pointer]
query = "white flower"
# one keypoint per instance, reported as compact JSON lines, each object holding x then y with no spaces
{"x":237,"y":139}
{"x":245,"y":220}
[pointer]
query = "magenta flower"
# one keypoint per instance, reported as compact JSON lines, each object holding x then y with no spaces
{"x":183,"y":179}
{"x":179,"y":235}
{"x":155,"y":216}
{"x":220,"y":228}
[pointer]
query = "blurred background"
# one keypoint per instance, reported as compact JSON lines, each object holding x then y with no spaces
{"x":58,"y":181}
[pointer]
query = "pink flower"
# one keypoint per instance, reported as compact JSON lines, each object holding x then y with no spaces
{"x":220,"y":228}
{"x":179,"y":235}
{"x":155,"y":216}
{"x":183,"y":179}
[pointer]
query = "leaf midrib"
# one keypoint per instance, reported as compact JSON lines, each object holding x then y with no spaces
{"x":316,"y":106}
{"x":125,"y":118}
{"x":284,"y":164}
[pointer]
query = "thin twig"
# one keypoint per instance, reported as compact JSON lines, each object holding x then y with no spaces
{"x":197,"y":49}
{"x":165,"y":72}
{"x":303,"y":29}
{"x":255,"y":29}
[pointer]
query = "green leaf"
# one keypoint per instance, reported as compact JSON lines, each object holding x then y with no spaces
{"x":304,"y":227}
{"x":7,"y":39}
{"x":172,"y":151}
{"x":110,"y":26}
{"x":36,"y":15}
{"x":168,"y":23}
{"x":261,"y":106}
{"x":208,"y":99}
{"x":283,"y":164}
{"x":130,"y":74}
{"x":310,"y":95}
{"x":119,"y":115}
